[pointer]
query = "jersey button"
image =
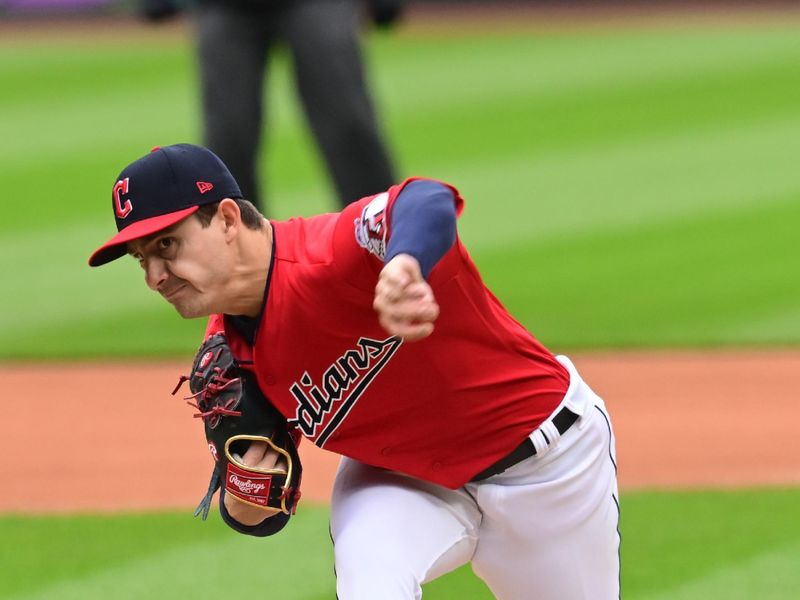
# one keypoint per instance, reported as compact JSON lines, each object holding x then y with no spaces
{"x":269,"y":380}
{"x":386,"y":451}
{"x":437,"y":466}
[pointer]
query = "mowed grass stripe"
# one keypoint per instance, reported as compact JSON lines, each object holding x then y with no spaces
{"x":612,"y":179}
{"x":158,"y":82}
{"x":519,"y":62}
{"x":36,"y":71}
{"x":535,"y":124}
{"x":602,"y":79}
{"x":631,"y":131}
{"x":672,"y":284}
{"x":46,"y":550}
{"x":91,"y":123}
{"x":535,"y":61}
{"x":685,"y":545}
{"x":676,"y":540}
{"x":208,"y":560}
{"x":578,"y":215}
{"x":768,"y":576}
{"x":628,"y":185}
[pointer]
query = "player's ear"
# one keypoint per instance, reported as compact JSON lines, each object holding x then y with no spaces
{"x":230,"y":216}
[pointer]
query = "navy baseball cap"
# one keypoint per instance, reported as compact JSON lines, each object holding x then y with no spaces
{"x":160,"y":189}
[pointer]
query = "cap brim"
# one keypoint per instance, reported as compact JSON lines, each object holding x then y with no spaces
{"x":115,"y":247}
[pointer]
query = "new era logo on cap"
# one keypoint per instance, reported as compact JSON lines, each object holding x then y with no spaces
{"x":162,"y":188}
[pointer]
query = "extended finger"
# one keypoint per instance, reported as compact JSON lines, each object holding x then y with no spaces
{"x":254,"y":454}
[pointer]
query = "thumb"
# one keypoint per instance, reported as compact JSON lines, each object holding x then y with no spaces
{"x":407,"y":266}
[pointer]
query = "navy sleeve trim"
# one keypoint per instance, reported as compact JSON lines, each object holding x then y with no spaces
{"x":269,"y":526}
{"x":423,"y":223}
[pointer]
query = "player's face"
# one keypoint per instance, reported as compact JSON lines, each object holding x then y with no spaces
{"x":188,"y":264}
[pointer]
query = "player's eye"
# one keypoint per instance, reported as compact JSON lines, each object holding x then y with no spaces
{"x":166,"y":246}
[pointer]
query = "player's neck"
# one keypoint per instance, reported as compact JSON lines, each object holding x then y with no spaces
{"x":249,"y":279}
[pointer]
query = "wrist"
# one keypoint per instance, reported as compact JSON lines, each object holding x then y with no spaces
{"x":247,"y":514}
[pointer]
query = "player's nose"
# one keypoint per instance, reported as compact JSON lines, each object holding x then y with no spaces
{"x":155,"y":274}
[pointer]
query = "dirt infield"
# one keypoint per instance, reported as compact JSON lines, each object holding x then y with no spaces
{"x":111,"y":437}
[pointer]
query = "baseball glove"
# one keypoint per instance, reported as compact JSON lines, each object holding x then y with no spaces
{"x":236,"y":413}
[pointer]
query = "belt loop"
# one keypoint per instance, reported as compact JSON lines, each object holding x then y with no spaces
{"x":537,"y":443}
{"x":545,"y":436}
{"x":540,"y":442}
{"x":550,"y":431}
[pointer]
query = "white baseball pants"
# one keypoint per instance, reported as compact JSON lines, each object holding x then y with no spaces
{"x":545,"y":529}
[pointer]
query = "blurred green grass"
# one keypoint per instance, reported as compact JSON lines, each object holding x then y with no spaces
{"x":625,"y":186}
{"x":686,"y":545}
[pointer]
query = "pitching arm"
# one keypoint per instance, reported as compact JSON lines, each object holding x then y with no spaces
{"x":423,"y":224}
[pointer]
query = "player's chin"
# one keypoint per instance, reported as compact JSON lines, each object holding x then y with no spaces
{"x":191,"y":310}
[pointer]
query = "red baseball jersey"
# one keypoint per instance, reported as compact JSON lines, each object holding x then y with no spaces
{"x":441,"y":409}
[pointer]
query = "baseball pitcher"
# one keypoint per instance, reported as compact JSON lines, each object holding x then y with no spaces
{"x":371,"y":333}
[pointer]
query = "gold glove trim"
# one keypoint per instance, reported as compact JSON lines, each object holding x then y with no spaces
{"x":279,"y":450}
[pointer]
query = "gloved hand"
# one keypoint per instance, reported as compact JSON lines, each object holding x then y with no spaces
{"x":235,"y":414}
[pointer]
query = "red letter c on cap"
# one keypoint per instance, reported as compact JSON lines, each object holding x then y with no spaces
{"x":121,"y":187}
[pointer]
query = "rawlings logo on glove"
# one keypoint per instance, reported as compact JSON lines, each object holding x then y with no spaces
{"x":235,"y":413}
{"x":247,"y":486}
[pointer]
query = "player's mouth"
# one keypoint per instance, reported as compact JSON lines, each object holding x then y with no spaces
{"x":172,"y":293}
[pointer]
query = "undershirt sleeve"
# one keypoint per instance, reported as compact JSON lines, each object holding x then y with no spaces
{"x":423,"y":223}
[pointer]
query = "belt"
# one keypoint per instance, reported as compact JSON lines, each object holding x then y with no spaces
{"x":563,"y":420}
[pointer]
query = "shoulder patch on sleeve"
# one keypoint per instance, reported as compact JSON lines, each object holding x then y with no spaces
{"x":371,"y":226}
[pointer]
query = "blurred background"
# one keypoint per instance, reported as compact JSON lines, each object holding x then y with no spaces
{"x":632,"y":185}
